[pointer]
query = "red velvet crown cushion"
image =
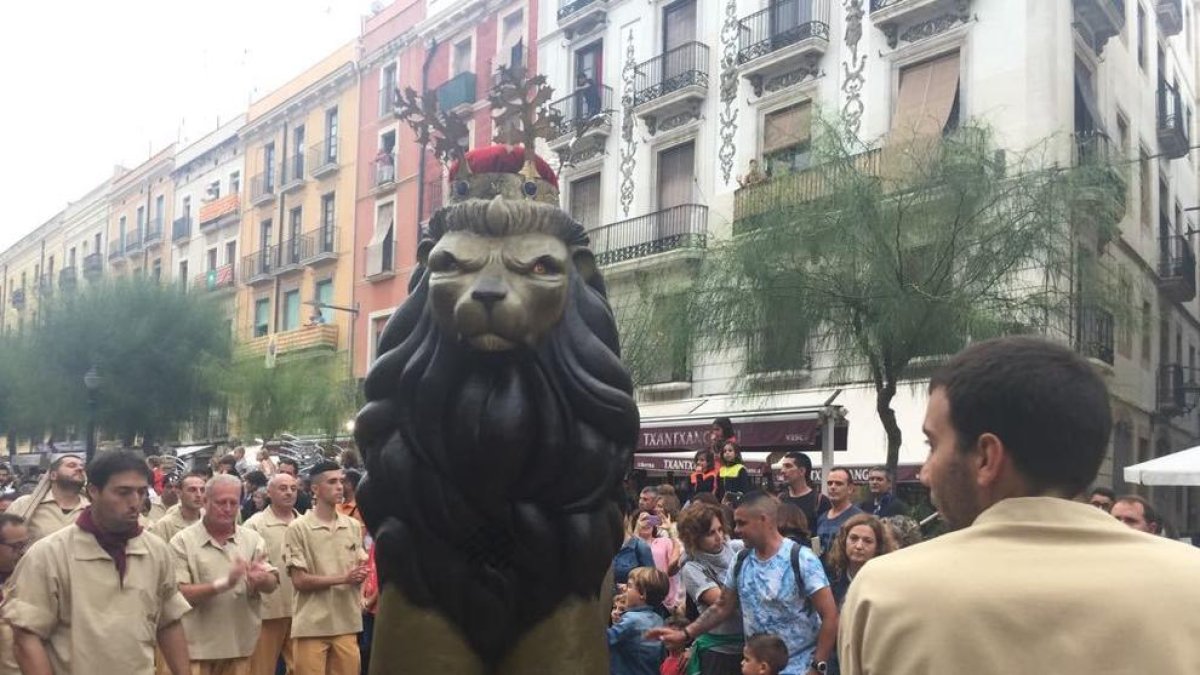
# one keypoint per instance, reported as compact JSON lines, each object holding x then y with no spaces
{"x":504,"y":159}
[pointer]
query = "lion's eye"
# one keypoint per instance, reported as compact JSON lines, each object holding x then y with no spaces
{"x":443,"y":262}
{"x":545,"y":265}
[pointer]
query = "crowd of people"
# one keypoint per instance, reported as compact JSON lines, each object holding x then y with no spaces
{"x":244,"y":567}
{"x":1038,"y":571}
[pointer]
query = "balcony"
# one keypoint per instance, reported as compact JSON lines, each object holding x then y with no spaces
{"x":293,"y":174}
{"x":676,"y":228}
{"x":769,"y":354}
{"x":319,"y":246}
{"x":288,"y":256}
{"x":303,"y":339}
{"x":1178,"y":389}
{"x":1177,"y":268}
{"x":323,"y":158}
{"x":587,"y":113}
{"x":669,"y":88}
{"x":221,"y":212}
{"x":914,"y":18}
{"x":45,"y":285}
{"x":1172,"y":123}
{"x":181,"y":229}
{"x":68,"y":278}
{"x":1101,"y":200}
{"x":1170,"y":16}
{"x":1099,"y":20}
{"x":787,"y":36}
{"x":763,"y":203}
{"x":18,"y":298}
{"x":578,"y":17}
{"x":217,"y":279}
{"x":116,"y":250}
{"x":1095,"y":336}
{"x":154,"y":232}
{"x":259,"y":267}
{"x":383,"y":173}
{"x":262,"y":188}
{"x":93,"y":266}
{"x":457,"y":93}
{"x":133,"y":242}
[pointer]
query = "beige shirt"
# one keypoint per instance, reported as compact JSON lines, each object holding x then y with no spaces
{"x":325,"y":550}
{"x":68,"y":593}
{"x":277,"y":605}
{"x":172,"y":523}
{"x":47,"y":517}
{"x":156,"y":512}
{"x":1035,"y":585}
{"x":226,"y":625}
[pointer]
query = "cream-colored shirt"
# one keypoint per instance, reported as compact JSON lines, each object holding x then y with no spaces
{"x":1037,"y":584}
{"x":47,"y":517}
{"x":226,"y":625}
{"x":172,"y":523}
{"x":68,"y":593}
{"x":277,"y":605}
{"x":325,"y":549}
{"x":157,"y":511}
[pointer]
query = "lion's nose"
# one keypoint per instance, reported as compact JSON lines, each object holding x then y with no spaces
{"x":488,"y":292}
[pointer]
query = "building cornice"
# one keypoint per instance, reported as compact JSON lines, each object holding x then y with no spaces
{"x":388,"y":50}
{"x":328,"y":87}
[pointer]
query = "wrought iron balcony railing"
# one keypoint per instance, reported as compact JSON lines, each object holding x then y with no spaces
{"x":582,"y":106}
{"x":323,"y":157}
{"x":783,"y":23}
{"x":569,"y":7}
{"x":1095,"y":337}
{"x":684,"y":226}
{"x":319,"y":244}
{"x":684,"y":66}
{"x":458,"y":90}
{"x":181,"y":228}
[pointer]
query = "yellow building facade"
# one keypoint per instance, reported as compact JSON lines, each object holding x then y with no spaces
{"x":28,"y":272}
{"x":139,"y":220}
{"x":298,"y":220}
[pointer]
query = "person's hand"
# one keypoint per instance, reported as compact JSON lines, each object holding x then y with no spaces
{"x":673,"y":639}
{"x":615,"y":616}
{"x":356,"y":575}
{"x":236,"y":573}
{"x":258,"y":574}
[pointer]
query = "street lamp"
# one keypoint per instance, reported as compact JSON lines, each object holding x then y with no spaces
{"x":352,"y":311}
{"x":91,"y":382}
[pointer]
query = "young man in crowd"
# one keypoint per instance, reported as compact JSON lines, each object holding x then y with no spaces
{"x":323,"y":551}
{"x":840,"y":486}
{"x":96,"y":595}
{"x":1031,"y":580}
{"x":796,"y":470}
{"x":187,"y":512}
{"x":274,"y":640}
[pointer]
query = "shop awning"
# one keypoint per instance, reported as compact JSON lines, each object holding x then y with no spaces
{"x":757,"y":464}
{"x":774,"y":430}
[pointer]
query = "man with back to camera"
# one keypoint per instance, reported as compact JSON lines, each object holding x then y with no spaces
{"x":1031,"y":581}
{"x":95,"y":596}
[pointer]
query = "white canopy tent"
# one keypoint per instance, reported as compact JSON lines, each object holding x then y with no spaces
{"x":1178,"y":468}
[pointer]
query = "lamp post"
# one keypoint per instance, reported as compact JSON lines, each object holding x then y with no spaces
{"x":91,"y":382}
{"x":352,"y":311}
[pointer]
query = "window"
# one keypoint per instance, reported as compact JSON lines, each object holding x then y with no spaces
{"x":1125,"y":324}
{"x":385,"y":159}
{"x":212,"y":259}
{"x":325,"y":297}
{"x":379,"y":258}
{"x":160,"y":208}
{"x":121,"y":228}
{"x":187,"y":207}
{"x":291,"y":251}
{"x":512,"y":40}
{"x":235,"y":182}
{"x":156,"y":274}
{"x":670,"y":350}
{"x":96,"y":248}
{"x":585,"y":201}
{"x":1146,"y":183}
{"x":262,"y":317}
{"x":71,"y":257}
{"x":141,"y":219}
{"x":786,"y":139}
{"x":50,"y":269}
{"x":331,"y":134}
{"x":387,"y":89}
{"x":264,"y":234}
{"x":926,"y":98}
{"x":1147,"y":323}
{"x":269,"y":167}
{"x":291,"y":310}
{"x":676,"y":170}
{"x":461,"y":58}
{"x":327,"y":215}
{"x":1125,"y":152}
{"x":230,"y":252}
{"x":298,"y":153}
{"x":679,"y":25}
{"x":1141,"y":36}
{"x":213,"y":191}
{"x":183,"y":275}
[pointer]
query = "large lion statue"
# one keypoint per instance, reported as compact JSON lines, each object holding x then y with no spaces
{"x":498,"y":429}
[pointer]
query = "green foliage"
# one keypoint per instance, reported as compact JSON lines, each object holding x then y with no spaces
{"x":159,"y":353}
{"x":304,"y":395}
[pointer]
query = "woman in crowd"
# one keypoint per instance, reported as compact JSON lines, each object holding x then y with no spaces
{"x":666,"y":551}
{"x":861,"y":538}
{"x":709,"y":556}
{"x":732,"y":476}
{"x":634,"y":552}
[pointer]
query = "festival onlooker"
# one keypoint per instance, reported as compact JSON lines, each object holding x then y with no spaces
{"x":719,"y":433}
{"x":252,"y":482}
{"x":169,"y":497}
{"x":704,"y":478}
{"x":292,"y":468}
{"x":861,"y":538}
{"x":228,"y":464}
{"x":648,"y":499}
{"x":882,"y":501}
{"x":265,"y":464}
{"x":764,"y":655}
{"x":796,"y":469}
{"x":710,"y":556}
{"x":732,"y":477}
{"x":187,"y":512}
{"x":349,"y":505}
{"x":6,"y":500}
{"x":676,"y":661}
{"x":1031,"y":580}
{"x":271,"y":524}
{"x":631,"y":650}
{"x":350,"y":459}
{"x":95,"y":596}
{"x":634,"y":551}
{"x":242,"y":464}
{"x":665,"y":550}
{"x":156,"y":472}
{"x":63,"y":502}
{"x":905,"y":531}
{"x":14,"y":540}
{"x":222,"y":571}
{"x":840,"y":485}
{"x":1102,"y":498}
{"x":781,"y":588}
{"x":793,"y":524}
{"x":7,"y":480}
{"x":1138,"y":513}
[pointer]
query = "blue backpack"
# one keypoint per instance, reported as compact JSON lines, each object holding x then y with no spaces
{"x":633,"y":553}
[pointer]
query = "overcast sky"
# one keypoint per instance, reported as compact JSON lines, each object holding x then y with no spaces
{"x":89,"y":85}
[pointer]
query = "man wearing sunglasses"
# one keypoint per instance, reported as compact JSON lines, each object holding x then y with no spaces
{"x":14,"y":539}
{"x":1103,"y":499}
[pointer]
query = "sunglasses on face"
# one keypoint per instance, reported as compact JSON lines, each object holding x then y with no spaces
{"x":1103,"y":506}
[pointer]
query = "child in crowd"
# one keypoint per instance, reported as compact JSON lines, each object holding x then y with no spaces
{"x":677,"y":659}
{"x":629,"y":650}
{"x":764,"y":655}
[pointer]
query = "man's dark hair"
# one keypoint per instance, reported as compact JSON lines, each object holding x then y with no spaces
{"x":1149,"y":513}
{"x":290,"y":462}
{"x":7,"y":519}
{"x":849,"y":476}
{"x":1103,"y":492}
{"x":1042,"y":400}
{"x":769,"y":649}
{"x":757,"y":499}
{"x":802,"y":461}
{"x":323,"y":466}
{"x":58,"y":462}
{"x":255,"y":478}
{"x":203,"y":476}
{"x":107,"y":464}
{"x":228,"y":460}
{"x":891,"y":478}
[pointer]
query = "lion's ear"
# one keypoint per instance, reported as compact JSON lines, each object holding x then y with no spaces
{"x":423,"y":250}
{"x":585,"y":263}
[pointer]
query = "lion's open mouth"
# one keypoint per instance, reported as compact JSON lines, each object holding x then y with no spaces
{"x":490,"y":342}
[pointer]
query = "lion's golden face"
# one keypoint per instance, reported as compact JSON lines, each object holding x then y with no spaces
{"x":496,"y":293}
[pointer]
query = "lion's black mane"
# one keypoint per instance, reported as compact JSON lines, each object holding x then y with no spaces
{"x":494,"y":480}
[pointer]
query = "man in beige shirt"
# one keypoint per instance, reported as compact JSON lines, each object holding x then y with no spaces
{"x":324,"y":553}
{"x":162,"y":503}
{"x":96,"y":596}
{"x":271,"y":524}
{"x":187,"y":512}
{"x":222,"y":571}
{"x":1031,"y":581}
{"x":62,"y":503}
{"x":14,"y":540}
